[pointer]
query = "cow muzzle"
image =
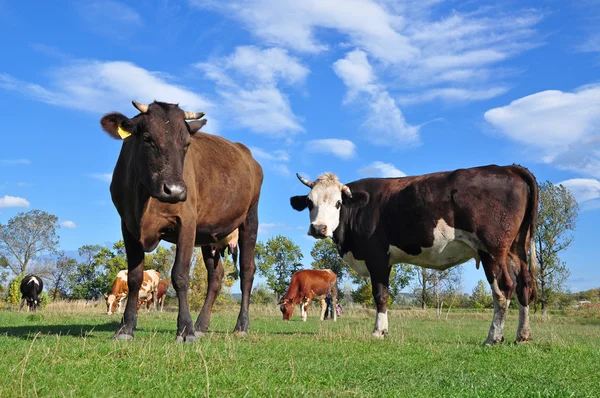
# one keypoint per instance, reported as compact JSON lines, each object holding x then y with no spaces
{"x":173,"y":193}
{"x":318,"y":231}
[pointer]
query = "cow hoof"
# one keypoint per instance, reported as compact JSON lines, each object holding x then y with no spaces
{"x":198,"y":334}
{"x":522,"y":340}
{"x":123,"y":337}
{"x":240,"y":333}
{"x":490,"y":343}
{"x":380,"y":334}
{"x":186,"y":339}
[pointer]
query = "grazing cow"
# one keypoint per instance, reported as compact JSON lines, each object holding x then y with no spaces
{"x":193,"y":189}
{"x":435,"y":221}
{"x":161,"y":294}
{"x":31,"y":288}
{"x":120,"y":290}
{"x":307,"y":285}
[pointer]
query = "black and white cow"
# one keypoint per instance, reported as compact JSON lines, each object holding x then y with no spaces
{"x":435,"y":221}
{"x":31,"y":288}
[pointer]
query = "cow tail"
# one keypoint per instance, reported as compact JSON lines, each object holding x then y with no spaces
{"x":531,"y":218}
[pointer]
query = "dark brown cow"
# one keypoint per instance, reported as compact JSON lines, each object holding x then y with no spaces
{"x":307,"y":285}
{"x":193,"y":189}
{"x":161,"y":294}
{"x":436,"y":221}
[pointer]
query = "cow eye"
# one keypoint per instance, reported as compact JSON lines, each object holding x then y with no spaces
{"x":338,"y":204}
{"x":310,"y":204}
{"x":185,"y":148}
{"x":147,"y":137}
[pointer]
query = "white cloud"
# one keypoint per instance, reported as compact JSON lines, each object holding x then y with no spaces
{"x":109,"y":18}
{"x":343,"y":149}
{"x":591,"y":44}
{"x":106,"y":177}
{"x":248,"y":82}
{"x":385,"y":124}
{"x":584,"y":189}
{"x":416,"y":44}
{"x":453,"y":94}
{"x":267,"y":228}
{"x":276,"y":160}
{"x":13,"y":201}
{"x":564,"y":126}
{"x":105,"y":86}
{"x":14,"y":161}
{"x":68,"y":224}
{"x":381,"y":169}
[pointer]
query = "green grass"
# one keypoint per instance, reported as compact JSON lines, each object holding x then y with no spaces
{"x":72,"y":354}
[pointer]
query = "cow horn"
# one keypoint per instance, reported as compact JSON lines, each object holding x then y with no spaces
{"x":140,"y":107}
{"x":193,"y":115}
{"x":347,"y":191}
{"x":305,"y":181}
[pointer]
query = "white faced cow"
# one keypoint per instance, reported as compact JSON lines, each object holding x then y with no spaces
{"x":435,"y":221}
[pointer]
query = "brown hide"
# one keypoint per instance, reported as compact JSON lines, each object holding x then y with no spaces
{"x":307,"y":285}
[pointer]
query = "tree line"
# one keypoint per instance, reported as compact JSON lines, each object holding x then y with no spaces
{"x":29,"y":243}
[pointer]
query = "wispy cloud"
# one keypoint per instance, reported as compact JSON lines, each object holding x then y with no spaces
{"x":268,"y":228}
{"x":385,"y":123}
{"x":250,"y":84}
{"x":343,"y":149}
{"x":14,"y":161}
{"x":13,"y":201}
{"x":110,"y":18}
{"x":68,"y":224}
{"x":417,"y":44}
{"x":104,"y":86}
{"x":381,"y":169}
{"x":584,"y":189}
{"x":564,"y":126}
{"x":276,"y":160}
{"x":106,"y":177}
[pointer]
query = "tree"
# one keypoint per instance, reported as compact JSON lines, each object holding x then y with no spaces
{"x":161,"y":260}
{"x":60,"y":274}
{"x":400,"y":277}
{"x":198,"y":281}
{"x":89,"y":281}
{"x":325,"y":256}
{"x":25,"y":237}
{"x":261,"y":295}
{"x":557,"y":217}
{"x":435,"y":287}
{"x":482,"y":296}
{"x":277,"y":260}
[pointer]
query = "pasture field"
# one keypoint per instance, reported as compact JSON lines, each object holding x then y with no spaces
{"x":69,"y":352}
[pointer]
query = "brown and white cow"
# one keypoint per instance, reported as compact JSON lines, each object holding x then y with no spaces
{"x":307,"y":285}
{"x":186,"y":187}
{"x":435,"y":221}
{"x":161,"y":294}
{"x":120,"y":290}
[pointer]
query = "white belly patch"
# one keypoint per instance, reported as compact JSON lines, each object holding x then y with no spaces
{"x":450,"y":247}
{"x":359,"y":266}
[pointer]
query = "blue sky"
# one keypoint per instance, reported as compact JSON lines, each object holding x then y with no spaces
{"x":356,"y":87}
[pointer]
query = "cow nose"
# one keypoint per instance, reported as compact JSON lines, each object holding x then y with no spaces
{"x":318,"y":230}
{"x":176,"y":192}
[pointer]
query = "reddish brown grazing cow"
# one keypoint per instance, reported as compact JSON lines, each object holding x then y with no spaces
{"x":119,"y":290}
{"x":435,"y":221}
{"x":307,"y":285}
{"x":161,"y":294}
{"x":176,"y":184}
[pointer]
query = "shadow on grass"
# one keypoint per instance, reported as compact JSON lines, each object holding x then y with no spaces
{"x":28,"y":332}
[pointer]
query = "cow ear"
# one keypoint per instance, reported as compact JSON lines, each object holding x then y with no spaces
{"x":299,"y":202}
{"x":358,"y":199}
{"x":117,"y":125}
{"x":196,"y":125}
{"x":105,"y":296}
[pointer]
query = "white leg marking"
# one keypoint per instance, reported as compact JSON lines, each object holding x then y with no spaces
{"x":323,"y":308}
{"x":500,"y":307}
{"x":524,"y":330}
{"x":381,"y":325}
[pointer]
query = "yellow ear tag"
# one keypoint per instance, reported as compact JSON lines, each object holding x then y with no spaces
{"x":122,"y":133}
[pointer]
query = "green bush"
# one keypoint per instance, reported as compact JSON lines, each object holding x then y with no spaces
{"x":14,"y":290}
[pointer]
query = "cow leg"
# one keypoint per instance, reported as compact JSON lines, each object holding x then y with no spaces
{"x":247,"y":241}
{"x":323,"y":309}
{"x":497,"y":270}
{"x":135,"y":277}
{"x":380,"y":279}
{"x":305,"y":306}
{"x":180,"y":276}
{"x":334,"y":294}
{"x":215,"y":278}
{"x":22,"y":304}
{"x":524,"y":291}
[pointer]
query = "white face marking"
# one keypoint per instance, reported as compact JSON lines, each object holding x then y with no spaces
{"x":450,"y":247}
{"x":109,"y":303}
{"x":326,"y":204}
{"x":357,"y":265}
